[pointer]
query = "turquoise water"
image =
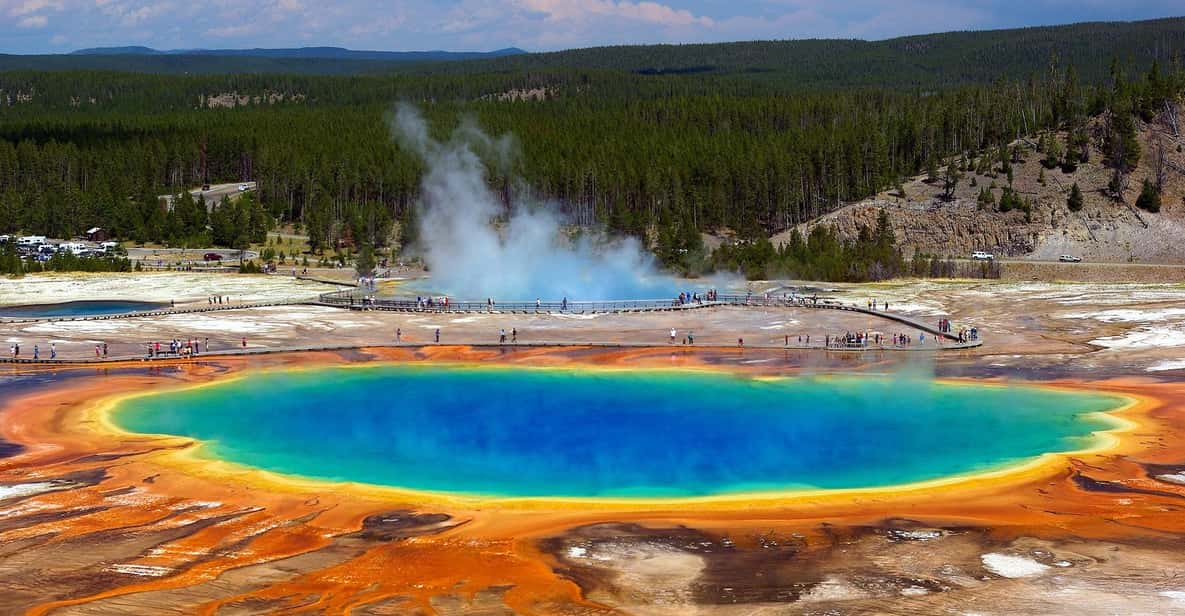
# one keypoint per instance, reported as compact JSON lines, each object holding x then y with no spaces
{"x":83,"y":308}
{"x":534,"y":432}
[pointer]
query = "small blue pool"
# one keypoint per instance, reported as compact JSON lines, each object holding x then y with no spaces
{"x":77,"y":309}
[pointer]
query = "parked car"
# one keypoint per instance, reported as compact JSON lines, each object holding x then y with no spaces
{"x":212,"y":256}
{"x":205,"y":187}
{"x":1069,"y":259}
{"x":243,"y":187}
{"x":980,"y":255}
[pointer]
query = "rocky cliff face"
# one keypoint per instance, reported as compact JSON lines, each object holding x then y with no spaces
{"x":1104,"y":230}
{"x":953,"y":228}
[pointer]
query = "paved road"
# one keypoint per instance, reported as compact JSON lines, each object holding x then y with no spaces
{"x":1081,"y":263}
{"x":149,"y":254}
{"x":216,"y":192}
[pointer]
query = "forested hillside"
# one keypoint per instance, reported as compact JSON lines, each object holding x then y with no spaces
{"x":930,"y":60}
{"x":640,"y":151}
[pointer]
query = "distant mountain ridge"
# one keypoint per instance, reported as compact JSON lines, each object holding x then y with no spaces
{"x":918,"y":61}
{"x":342,"y":53}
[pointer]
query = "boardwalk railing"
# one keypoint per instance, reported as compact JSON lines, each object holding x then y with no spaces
{"x":359,"y":300}
{"x":159,"y":312}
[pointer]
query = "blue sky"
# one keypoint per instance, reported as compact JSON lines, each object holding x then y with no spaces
{"x":48,"y":26}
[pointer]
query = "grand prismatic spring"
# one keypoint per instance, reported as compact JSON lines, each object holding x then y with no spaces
{"x":506,"y":432}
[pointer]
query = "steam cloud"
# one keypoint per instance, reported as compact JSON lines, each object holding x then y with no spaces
{"x":527,"y":255}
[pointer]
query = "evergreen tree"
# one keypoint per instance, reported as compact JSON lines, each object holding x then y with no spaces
{"x":1074,"y":202}
{"x":1149,"y":199}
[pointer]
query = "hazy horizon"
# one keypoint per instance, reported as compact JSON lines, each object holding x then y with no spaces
{"x":62,"y":26}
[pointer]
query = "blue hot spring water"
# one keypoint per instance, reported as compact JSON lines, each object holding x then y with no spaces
{"x":77,"y":309}
{"x":599,"y":433}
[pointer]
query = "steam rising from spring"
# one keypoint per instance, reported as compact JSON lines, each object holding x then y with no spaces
{"x":525,"y":256}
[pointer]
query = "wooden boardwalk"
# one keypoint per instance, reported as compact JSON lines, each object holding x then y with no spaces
{"x":174,"y":359}
{"x":158,"y":312}
{"x":352,"y":299}
{"x":348,"y":300}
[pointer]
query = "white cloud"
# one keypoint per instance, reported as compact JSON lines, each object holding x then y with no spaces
{"x":26,"y":7}
{"x":582,"y":10}
{"x":33,"y":21}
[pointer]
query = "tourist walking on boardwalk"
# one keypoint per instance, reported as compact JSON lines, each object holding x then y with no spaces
{"x":53,"y":350}
{"x":244,"y":342}
{"x":97,"y":350}
{"x":673,"y":333}
{"x":36,"y":352}
{"x":514,"y":335}
{"x":438,"y":335}
{"x":502,"y":336}
{"x":690,"y":337}
{"x":398,"y":334}
{"x":104,"y":349}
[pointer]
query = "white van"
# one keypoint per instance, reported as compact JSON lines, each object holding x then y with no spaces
{"x":980,"y":255}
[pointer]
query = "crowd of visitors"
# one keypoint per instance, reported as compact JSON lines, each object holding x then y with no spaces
{"x":179,"y":348}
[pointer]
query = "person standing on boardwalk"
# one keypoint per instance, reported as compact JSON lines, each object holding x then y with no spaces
{"x":398,"y":334}
{"x":514,"y":335}
{"x":244,"y":342}
{"x":673,"y":333}
{"x":53,"y":350}
{"x":438,"y":335}
{"x":36,"y":352}
{"x":502,"y":336}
